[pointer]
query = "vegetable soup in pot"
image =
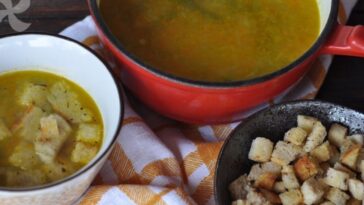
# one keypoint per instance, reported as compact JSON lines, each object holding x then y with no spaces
{"x":213,"y":40}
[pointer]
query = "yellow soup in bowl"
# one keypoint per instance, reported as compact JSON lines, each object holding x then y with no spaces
{"x":49,"y":128}
{"x":214,"y":40}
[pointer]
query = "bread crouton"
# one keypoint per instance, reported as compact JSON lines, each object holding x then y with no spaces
{"x":316,"y":137}
{"x":240,"y":202}
{"x":20,"y":178}
{"x":34,"y":94}
{"x":66,"y":102}
{"x":239,"y":187}
{"x":306,"y":122}
{"x":279,"y":187}
{"x":323,"y":152}
{"x":4,"y":131}
{"x":323,"y":167}
{"x":337,"y":134}
{"x":312,"y":191}
{"x":291,"y":197}
{"x":335,"y":155}
{"x":295,"y":136}
{"x":289,"y":178}
{"x":353,"y":201}
{"x":254,"y":197}
{"x":350,"y":156}
{"x":357,"y":138}
{"x":54,"y":132}
{"x":261,"y":149}
{"x":337,"y":196}
{"x":336,"y":178}
{"x":284,"y":153}
{"x":24,"y":156}
{"x":356,"y":189}
{"x":58,"y":170}
{"x":28,"y":126}
{"x":259,"y":169}
{"x":360,"y":159}
{"x":361,"y":169}
{"x":327,"y":203}
{"x":306,"y":167}
{"x":83,"y":153}
{"x":342,"y":168}
{"x":271,"y":196}
{"x":89,"y":133}
{"x":266,"y":181}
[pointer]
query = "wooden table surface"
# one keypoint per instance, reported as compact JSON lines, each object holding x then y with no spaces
{"x":344,"y":83}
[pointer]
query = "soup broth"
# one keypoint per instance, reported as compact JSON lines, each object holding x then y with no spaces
{"x":214,"y":40}
{"x":49,"y":128}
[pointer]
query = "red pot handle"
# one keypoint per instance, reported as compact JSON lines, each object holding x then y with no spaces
{"x":346,"y":40}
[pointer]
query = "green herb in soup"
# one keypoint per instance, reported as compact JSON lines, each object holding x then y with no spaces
{"x":214,"y":40}
{"x":49,"y":128}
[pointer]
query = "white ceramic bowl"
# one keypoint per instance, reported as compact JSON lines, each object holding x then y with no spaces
{"x":65,"y":57}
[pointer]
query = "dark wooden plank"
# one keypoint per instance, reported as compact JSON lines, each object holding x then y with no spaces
{"x":50,"y":15}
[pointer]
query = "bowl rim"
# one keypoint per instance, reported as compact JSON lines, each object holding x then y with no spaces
{"x":242,"y":124}
{"x":320,"y":40}
{"x":115,"y":135}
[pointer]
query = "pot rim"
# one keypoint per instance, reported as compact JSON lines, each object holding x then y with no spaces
{"x":103,"y":28}
{"x":113,"y":139}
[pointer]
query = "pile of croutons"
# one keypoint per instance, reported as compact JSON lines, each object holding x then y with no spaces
{"x":305,"y":168}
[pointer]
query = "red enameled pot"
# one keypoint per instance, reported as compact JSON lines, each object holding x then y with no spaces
{"x":208,"y":102}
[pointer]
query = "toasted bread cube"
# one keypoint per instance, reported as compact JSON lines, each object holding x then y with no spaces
{"x":261,"y":150}
{"x":89,"y":133}
{"x":306,"y":167}
{"x":306,"y":122}
{"x":356,"y":189}
{"x":20,"y":178}
{"x":291,"y":197}
{"x":337,"y":196}
{"x":259,"y":169}
{"x":279,"y":187}
{"x":254,"y":197}
{"x":316,"y":137}
{"x":360,"y":159}
{"x":4,"y":131}
{"x":357,"y":138}
{"x":240,"y":202}
{"x":336,"y":178}
{"x":353,"y":201}
{"x":284,"y":153}
{"x":350,"y":156}
{"x":327,"y":203}
{"x":323,"y":167}
{"x":335,"y":155}
{"x":54,"y":133}
{"x":312,"y":191}
{"x":272,"y":197}
{"x":266,"y":181}
{"x":296,"y":136}
{"x":24,"y":156}
{"x":342,"y":168}
{"x":83,"y":153}
{"x":28,"y":126}
{"x":337,"y":134}
{"x":35,"y":95}
{"x":239,"y":187}
{"x":323,"y":152}
{"x":66,"y":102}
{"x":361,"y":169}
{"x":58,"y":170}
{"x":289,"y":178}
